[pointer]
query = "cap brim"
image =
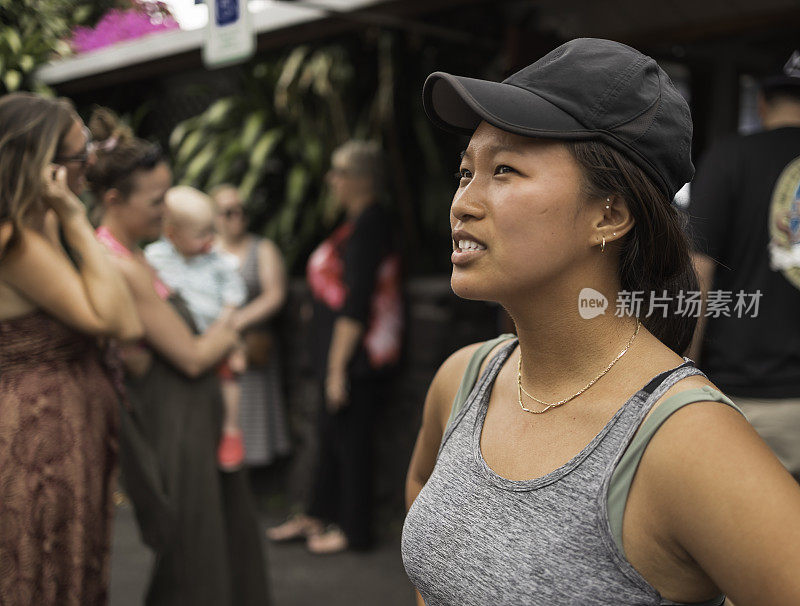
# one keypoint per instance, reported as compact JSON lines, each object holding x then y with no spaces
{"x":459,"y":104}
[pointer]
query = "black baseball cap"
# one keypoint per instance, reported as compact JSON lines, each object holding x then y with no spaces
{"x":585,"y":89}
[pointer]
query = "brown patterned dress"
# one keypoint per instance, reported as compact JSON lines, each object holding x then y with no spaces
{"x":58,"y":448}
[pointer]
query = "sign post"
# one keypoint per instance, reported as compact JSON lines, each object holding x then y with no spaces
{"x":229,"y":34}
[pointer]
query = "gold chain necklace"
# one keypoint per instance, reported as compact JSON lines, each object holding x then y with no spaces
{"x":549,"y":405}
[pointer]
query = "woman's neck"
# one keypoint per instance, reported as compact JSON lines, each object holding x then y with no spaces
{"x":233,"y":242}
{"x":563,"y":345}
{"x":117,"y":229}
{"x":356,"y":206}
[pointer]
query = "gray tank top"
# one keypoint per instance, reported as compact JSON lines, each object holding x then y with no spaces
{"x":473,"y":538}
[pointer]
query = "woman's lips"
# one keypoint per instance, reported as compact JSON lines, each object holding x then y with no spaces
{"x":463,"y":257}
{"x":465,"y":251}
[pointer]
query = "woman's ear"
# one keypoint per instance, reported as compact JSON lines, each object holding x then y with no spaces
{"x":614,"y":219}
{"x":112,"y":197}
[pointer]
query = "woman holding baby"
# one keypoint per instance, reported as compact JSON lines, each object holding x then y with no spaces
{"x":201,"y":522}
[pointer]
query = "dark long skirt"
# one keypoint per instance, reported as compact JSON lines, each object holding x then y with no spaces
{"x":201,"y":522}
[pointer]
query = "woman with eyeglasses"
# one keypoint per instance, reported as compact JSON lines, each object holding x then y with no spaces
{"x":354,"y":277}
{"x":58,"y":402}
{"x":200,"y":522}
{"x":261,"y":409}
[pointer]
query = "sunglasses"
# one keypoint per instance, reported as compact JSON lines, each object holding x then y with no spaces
{"x":82,"y":157}
{"x":234,"y":211}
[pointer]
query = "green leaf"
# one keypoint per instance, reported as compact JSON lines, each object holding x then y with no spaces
{"x":249,"y":183}
{"x":180,"y":131}
{"x":225,"y":164}
{"x":62,"y":48}
{"x":218,"y":111}
{"x":200,"y":163}
{"x":264,"y":147}
{"x":189,"y":146}
{"x":82,"y":14}
{"x":252,"y":128}
{"x":296,"y":184}
{"x":12,"y":40}
{"x":26,"y":63}
{"x":12,"y":80}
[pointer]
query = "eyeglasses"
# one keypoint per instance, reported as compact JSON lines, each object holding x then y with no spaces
{"x":233,"y":211}
{"x":340,"y":171}
{"x":82,"y":157}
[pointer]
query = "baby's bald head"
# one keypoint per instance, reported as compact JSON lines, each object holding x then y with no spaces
{"x":187,"y":204}
{"x":189,"y":220}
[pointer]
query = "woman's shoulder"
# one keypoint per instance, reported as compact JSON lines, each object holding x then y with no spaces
{"x":264,"y":245}
{"x":696,"y":425}
{"x":138,"y":273}
{"x":449,"y":375}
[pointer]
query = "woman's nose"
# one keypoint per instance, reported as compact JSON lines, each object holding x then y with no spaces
{"x":467,"y":203}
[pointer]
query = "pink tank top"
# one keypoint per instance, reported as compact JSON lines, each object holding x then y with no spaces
{"x":118,"y":248}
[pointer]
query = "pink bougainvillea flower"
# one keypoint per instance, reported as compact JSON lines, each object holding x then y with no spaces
{"x":118,"y":25}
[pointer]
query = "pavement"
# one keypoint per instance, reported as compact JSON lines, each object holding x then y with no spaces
{"x":297,"y":578}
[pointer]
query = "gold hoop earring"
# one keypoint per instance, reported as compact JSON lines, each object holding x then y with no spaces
{"x":603,"y":245}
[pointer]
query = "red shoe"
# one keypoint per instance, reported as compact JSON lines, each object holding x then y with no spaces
{"x":230,"y":452}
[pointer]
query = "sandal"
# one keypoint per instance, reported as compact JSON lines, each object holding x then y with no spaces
{"x":297,"y":527}
{"x":333,"y":540}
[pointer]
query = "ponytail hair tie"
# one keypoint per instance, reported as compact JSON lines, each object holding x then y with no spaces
{"x":107,"y":145}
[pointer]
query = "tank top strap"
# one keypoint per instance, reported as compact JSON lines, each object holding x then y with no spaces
{"x":645,"y":428}
{"x":470,"y":386}
{"x":623,"y":474}
{"x":252,"y":254}
{"x":250,"y":262}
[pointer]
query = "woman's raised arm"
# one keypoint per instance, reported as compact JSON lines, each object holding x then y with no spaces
{"x":94,"y":298}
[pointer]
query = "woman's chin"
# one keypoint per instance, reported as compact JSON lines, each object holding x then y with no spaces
{"x":469,"y":288}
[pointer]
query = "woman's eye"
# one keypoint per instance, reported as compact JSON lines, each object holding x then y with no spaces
{"x":503,"y":169}
{"x":463,"y":173}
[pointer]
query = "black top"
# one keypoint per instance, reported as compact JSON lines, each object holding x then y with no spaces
{"x":361,"y":246}
{"x":743,"y":201}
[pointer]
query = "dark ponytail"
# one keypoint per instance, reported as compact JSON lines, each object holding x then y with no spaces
{"x":654,"y":255}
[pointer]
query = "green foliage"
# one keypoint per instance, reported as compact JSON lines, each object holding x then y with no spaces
{"x":274,"y":137}
{"x":32,"y":32}
{"x":273,"y":141}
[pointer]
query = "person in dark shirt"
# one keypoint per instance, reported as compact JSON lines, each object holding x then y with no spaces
{"x":354,"y":276}
{"x":745,"y":218}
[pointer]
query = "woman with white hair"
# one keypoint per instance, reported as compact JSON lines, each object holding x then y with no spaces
{"x":354,"y":277}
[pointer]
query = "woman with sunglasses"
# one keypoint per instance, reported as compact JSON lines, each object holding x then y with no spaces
{"x":200,"y":522}
{"x":58,"y":404}
{"x":261,"y":408}
{"x":586,"y":461}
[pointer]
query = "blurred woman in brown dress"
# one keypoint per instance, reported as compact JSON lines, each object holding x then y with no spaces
{"x":58,"y":415}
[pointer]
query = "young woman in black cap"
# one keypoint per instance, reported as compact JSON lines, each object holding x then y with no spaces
{"x":593,"y":464}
